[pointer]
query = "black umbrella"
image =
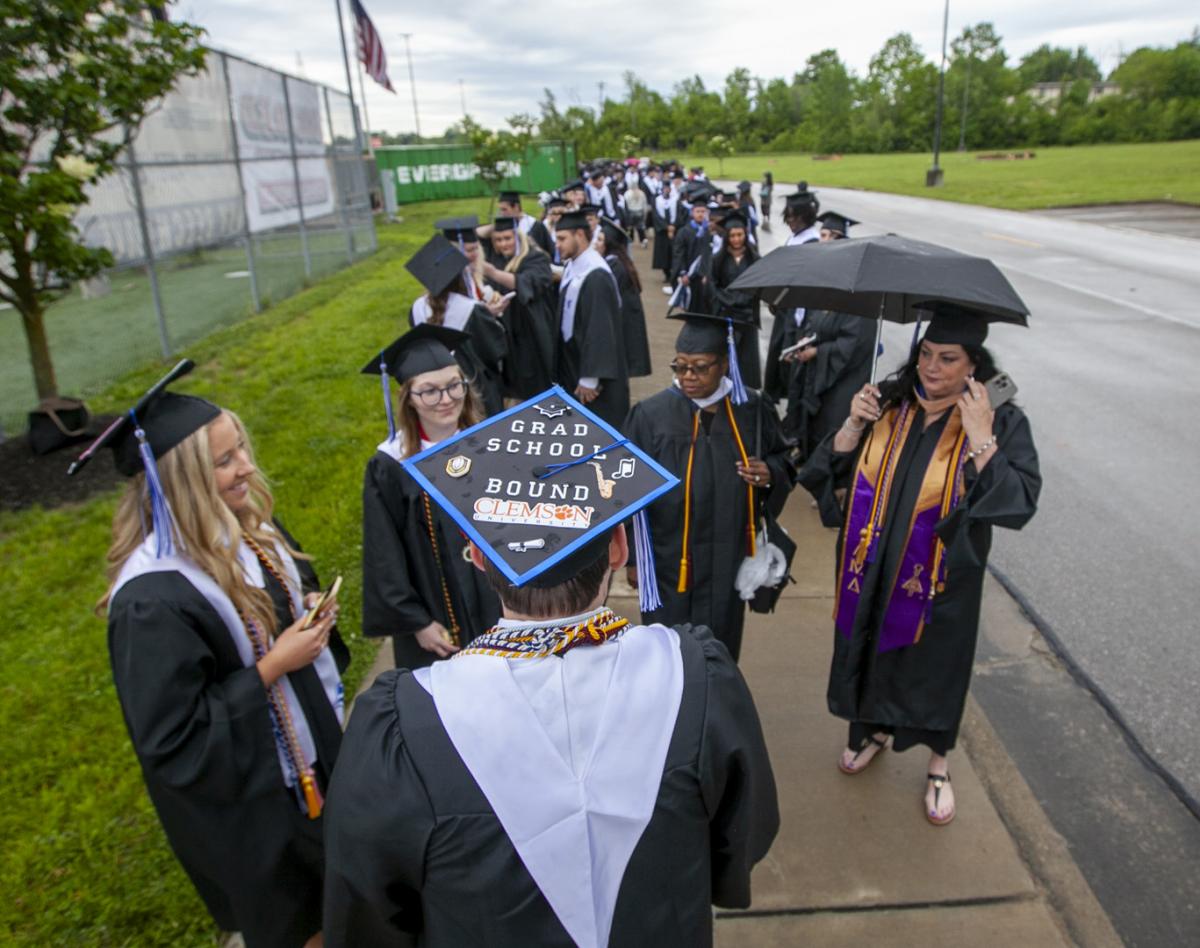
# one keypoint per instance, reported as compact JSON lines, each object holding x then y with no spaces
{"x":885,"y":277}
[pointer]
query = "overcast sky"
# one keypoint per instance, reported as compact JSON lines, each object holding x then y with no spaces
{"x":506,"y":53}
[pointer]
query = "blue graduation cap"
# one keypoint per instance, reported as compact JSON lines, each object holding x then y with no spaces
{"x":539,"y":487}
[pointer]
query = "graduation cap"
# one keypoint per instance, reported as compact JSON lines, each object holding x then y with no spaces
{"x":735,"y":219}
{"x":574,"y":220}
{"x":596,"y":173}
{"x":590,"y":209}
{"x":576,"y":185}
{"x":140,"y":436}
{"x":424,"y":348}
{"x":614,"y":236}
{"x":509,"y":197}
{"x":703,"y":333}
{"x":802,"y":197}
{"x":538,"y":489}
{"x":437,"y":264}
{"x":505,"y":223}
{"x":838,"y":223}
{"x":951,"y":324}
{"x":556,"y":201}
{"x":459,"y":229}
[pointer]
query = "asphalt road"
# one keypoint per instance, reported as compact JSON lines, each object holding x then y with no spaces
{"x":1107,"y":373}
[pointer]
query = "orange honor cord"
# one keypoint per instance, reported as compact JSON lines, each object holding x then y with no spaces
{"x":737,"y":436}
{"x":684,"y":559}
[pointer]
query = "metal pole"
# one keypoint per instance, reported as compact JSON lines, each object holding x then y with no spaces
{"x":937,"y":127}
{"x":412,"y":84}
{"x":462,"y":95}
{"x":287,"y":107}
{"x":878,"y":339}
{"x":362,"y":91}
{"x":237,"y":164}
{"x":349,"y":81}
{"x":962,"y":128}
{"x":147,"y":248}
{"x":338,"y":180}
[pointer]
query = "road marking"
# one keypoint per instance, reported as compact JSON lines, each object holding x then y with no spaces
{"x":1116,"y":300}
{"x":1013,"y":240}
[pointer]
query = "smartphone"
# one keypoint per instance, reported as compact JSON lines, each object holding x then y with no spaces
{"x":806,"y":341}
{"x":1000,"y":388}
{"x":327,"y":597}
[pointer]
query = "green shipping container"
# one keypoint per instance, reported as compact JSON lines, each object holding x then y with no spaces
{"x":429,"y":172}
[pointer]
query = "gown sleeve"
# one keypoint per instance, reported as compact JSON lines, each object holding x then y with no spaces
{"x":851,"y":340}
{"x":774,"y":452}
{"x":488,"y":337}
{"x":191,"y":731}
{"x":378,"y":823}
{"x":737,"y":783}
{"x":826,"y":471}
{"x":597,"y":316}
{"x":391,"y":603}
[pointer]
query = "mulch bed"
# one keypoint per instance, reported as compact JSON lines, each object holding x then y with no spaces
{"x":28,"y":479}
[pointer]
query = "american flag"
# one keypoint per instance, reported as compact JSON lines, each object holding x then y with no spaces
{"x":370,"y":46}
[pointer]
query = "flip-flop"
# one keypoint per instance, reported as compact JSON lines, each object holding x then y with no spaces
{"x":871,"y":739}
{"x":939,"y":781}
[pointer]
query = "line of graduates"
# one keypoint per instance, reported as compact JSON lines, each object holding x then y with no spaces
{"x":570,"y":778}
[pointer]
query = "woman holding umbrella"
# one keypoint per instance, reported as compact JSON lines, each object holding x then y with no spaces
{"x":930,"y":469}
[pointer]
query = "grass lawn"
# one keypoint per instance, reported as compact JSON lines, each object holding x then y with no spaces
{"x":1057,"y":177}
{"x":85,"y":862}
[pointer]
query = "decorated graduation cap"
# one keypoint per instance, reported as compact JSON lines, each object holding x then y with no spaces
{"x":538,"y":489}
{"x":437,"y":263}
{"x":424,"y":348}
{"x":705,"y":334}
{"x":838,"y":223}
{"x":950,"y":323}
{"x":159,"y":421}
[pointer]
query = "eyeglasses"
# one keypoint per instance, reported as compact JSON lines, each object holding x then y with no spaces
{"x":429,"y":397}
{"x":691,"y":368}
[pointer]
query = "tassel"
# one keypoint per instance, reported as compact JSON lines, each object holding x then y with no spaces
{"x":387,"y":397}
{"x":161,"y":521}
{"x":915,"y":339}
{"x":860,"y":551}
{"x":648,"y":598}
{"x":739,"y":395}
{"x":313,"y":800}
{"x":683,"y":576}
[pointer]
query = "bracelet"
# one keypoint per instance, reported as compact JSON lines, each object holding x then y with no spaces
{"x":982,"y":449}
{"x":857,"y":429}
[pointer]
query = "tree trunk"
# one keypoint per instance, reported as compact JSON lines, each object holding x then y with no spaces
{"x":39,"y":351}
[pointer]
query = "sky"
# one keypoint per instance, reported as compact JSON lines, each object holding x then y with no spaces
{"x":498,"y":58}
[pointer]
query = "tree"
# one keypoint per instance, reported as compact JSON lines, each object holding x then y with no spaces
{"x":1057,"y":64}
{"x":77,"y":77}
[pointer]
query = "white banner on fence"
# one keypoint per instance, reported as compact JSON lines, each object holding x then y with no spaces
{"x":261,"y":119}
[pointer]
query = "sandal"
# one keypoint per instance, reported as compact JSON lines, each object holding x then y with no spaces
{"x":871,"y":741}
{"x":939,"y":781}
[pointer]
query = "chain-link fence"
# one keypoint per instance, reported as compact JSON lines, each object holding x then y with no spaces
{"x":243,"y":187}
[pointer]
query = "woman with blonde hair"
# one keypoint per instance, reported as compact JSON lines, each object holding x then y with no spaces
{"x":230,"y":690}
{"x":419,"y":585}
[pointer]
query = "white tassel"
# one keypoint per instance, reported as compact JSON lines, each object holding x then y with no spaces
{"x":648,"y":599}
{"x":161,"y":520}
{"x":739,"y":396}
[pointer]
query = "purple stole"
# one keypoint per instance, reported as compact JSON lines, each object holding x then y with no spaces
{"x":922,"y":573}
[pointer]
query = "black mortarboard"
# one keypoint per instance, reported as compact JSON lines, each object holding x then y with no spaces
{"x":735,"y":219}
{"x":424,"y":348}
{"x":802,"y":196}
{"x":574,"y":220}
{"x":509,"y":197}
{"x":951,"y":324}
{"x":459,"y":229}
{"x":596,"y":173}
{"x":538,"y":488}
{"x":556,"y":202}
{"x":718,"y":212}
{"x":614,"y":236}
{"x":505,"y":223}
{"x":838,"y":223}
{"x":166,"y":421}
{"x":576,"y":185}
{"x":590,"y":209}
{"x":676,"y":174}
{"x":437,"y":264}
{"x":705,"y":334}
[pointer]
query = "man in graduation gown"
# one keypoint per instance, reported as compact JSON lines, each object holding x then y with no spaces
{"x":531,"y":318}
{"x":729,"y":457}
{"x":590,"y":362}
{"x":509,"y":205}
{"x":570,"y":779}
{"x":800,"y":214}
{"x":691,"y":256}
{"x":666,"y":215}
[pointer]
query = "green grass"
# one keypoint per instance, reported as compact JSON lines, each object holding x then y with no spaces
{"x":85,"y":861}
{"x":1057,"y":177}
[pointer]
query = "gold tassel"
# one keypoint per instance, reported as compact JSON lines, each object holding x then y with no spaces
{"x":312,"y":794}
{"x":860,"y":551}
{"x":683,"y":576}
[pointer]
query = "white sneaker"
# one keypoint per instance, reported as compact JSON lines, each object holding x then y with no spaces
{"x":668,"y":290}
{"x":645,"y":244}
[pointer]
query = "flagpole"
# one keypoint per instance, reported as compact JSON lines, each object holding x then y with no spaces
{"x":362,"y":90}
{"x":349,"y":81}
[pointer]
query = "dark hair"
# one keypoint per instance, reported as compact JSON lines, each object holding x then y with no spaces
{"x":623,"y":256}
{"x":770,"y":178}
{"x":897,"y":386}
{"x":437,"y":303}
{"x":566,"y":599}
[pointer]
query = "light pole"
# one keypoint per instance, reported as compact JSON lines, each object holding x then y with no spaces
{"x":462,"y":95}
{"x":933,"y":177}
{"x":412,"y":84}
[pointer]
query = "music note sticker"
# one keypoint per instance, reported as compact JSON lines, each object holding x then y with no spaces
{"x":626,"y":468}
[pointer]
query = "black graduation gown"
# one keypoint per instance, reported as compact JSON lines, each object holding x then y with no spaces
{"x":662,"y":427}
{"x":541,"y":236}
{"x":820,"y":390}
{"x":529,"y":323}
{"x":413,"y":844}
{"x":742,"y":306}
{"x":633,"y":322}
{"x":777,"y":375}
{"x":402,"y":581}
{"x":200,"y":726}
{"x":663,"y":249}
{"x":596,"y":348}
{"x":688,"y":246}
{"x":482,"y":356}
{"x":919,"y":691}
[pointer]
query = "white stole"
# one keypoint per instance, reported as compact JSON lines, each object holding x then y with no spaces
{"x":143,"y":561}
{"x":572,"y":281}
{"x":575,"y":834}
{"x":458,"y":311}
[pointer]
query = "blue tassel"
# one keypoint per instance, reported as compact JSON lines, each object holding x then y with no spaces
{"x":915,"y":339}
{"x":739,"y":395}
{"x":387,"y":397}
{"x":161,"y":520}
{"x":648,"y":599}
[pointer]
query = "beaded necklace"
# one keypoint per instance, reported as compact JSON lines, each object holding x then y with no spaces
{"x":281,"y":715}
{"x":540,"y":641}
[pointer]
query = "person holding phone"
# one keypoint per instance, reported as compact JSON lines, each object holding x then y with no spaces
{"x":930,"y":466}
{"x":419,"y":588}
{"x":233,"y":700}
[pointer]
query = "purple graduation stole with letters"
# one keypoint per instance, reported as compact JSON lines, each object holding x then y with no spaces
{"x":922,"y":573}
